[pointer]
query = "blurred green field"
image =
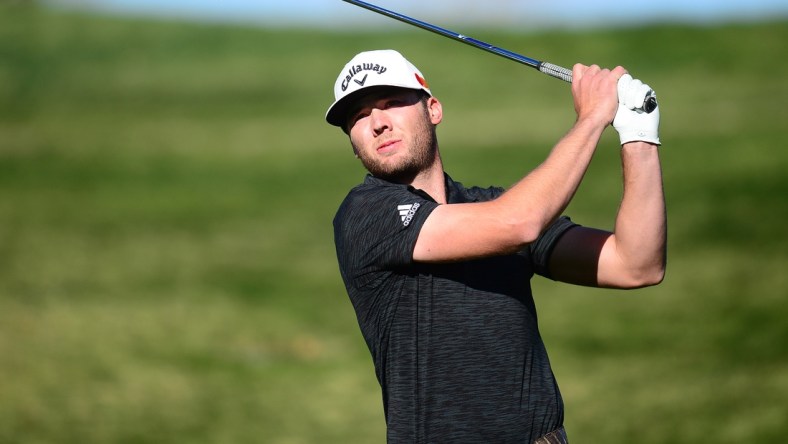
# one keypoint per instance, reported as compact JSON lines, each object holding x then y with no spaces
{"x":167,"y":271}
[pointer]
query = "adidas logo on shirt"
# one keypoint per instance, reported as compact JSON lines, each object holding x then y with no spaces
{"x":407,"y":212}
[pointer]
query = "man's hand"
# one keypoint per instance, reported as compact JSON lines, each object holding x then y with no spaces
{"x":594,"y":92}
{"x":632,"y":122}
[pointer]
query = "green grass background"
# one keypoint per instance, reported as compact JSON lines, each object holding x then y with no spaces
{"x":167,"y":271}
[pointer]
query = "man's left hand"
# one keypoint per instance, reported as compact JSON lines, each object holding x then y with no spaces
{"x":632,"y":121}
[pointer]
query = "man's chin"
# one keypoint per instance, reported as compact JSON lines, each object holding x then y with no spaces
{"x":396,"y":175}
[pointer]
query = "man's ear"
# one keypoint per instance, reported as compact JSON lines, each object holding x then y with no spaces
{"x":435,"y":110}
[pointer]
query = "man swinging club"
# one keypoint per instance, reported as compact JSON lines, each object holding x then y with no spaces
{"x":439,"y":273}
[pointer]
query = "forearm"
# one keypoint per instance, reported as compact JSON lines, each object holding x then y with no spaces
{"x":641,"y":224}
{"x":517,"y":217}
{"x":544,"y":194}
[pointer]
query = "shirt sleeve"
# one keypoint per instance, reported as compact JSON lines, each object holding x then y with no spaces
{"x":376,"y":229}
{"x":543,"y":247}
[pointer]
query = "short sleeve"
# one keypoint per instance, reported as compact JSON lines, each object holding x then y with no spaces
{"x":376,"y":229}
{"x":542,"y":248}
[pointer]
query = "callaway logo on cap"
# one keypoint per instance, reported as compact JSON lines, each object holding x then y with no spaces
{"x":372,"y":68}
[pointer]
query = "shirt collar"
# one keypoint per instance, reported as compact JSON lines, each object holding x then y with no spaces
{"x":454,"y":190}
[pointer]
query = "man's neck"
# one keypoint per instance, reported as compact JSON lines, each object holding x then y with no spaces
{"x":432,"y":181}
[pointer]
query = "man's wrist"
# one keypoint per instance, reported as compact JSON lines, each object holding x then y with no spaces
{"x":590,"y":125}
{"x":639,"y":145}
{"x":638,"y":136}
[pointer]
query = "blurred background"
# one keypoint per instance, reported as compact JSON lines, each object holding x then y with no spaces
{"x":167,"y":185}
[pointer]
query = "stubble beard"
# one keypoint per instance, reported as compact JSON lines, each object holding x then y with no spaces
{"x":421,"y":155}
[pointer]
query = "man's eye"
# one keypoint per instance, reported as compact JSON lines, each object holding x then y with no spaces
{"x":358,"y":116}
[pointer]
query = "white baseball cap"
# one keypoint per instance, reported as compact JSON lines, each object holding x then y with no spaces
{"x":369,"y":69}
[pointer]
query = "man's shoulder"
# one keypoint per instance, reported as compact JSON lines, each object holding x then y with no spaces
{"x":383,"y":207}
{"x":369,"y":190}
{"x":373,"y":196}
{"x":458,"y":193}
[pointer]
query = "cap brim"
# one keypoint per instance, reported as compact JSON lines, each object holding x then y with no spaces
{"x":337,"y":113}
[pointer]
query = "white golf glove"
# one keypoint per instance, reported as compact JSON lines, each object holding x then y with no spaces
{"x":632,"y":122}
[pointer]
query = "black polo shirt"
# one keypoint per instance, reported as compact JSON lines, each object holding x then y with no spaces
{"x":456,"y":347}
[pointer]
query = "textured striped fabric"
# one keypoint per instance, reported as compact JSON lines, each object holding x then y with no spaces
{"x":456,"y":346}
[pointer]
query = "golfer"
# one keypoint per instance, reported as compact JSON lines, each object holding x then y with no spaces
{"x":439,"y":273}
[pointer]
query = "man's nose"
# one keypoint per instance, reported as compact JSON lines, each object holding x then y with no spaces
{"x":380,"y":121}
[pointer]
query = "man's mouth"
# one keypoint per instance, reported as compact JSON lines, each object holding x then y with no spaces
{"x":387,"y":146}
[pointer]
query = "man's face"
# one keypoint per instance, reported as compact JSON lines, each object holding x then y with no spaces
{"x":393,"y":133}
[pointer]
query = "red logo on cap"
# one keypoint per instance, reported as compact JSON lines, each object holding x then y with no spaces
{"x":422,"y":81}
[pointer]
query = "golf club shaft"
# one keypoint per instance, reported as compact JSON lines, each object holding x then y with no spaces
{"x":649,"y":105}
{"x":544,"y":67}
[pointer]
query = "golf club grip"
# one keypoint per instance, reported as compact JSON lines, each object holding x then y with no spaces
{"x":556,"y":71}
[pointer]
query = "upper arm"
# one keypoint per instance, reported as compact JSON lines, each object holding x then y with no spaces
{"x":464,"y":231}
{"x":577,"y":256}
{"x":588,"y":256}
